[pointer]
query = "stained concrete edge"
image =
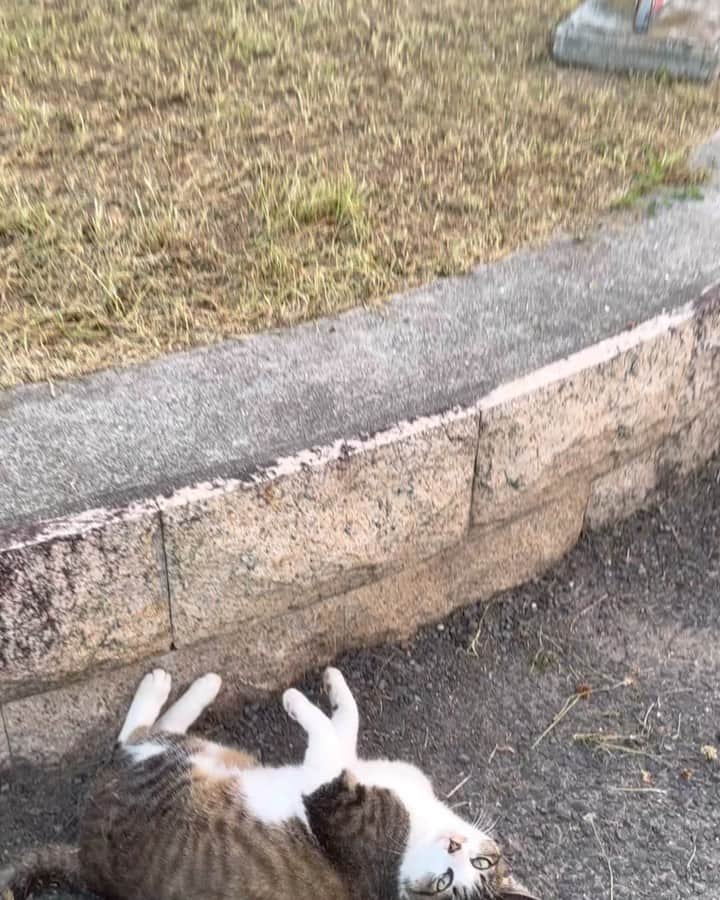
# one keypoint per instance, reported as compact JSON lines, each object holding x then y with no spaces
{"x":318,"y":524}
{"x":79,"y":594}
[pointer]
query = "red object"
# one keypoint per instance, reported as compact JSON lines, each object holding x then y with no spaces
{"x":645,"y":10}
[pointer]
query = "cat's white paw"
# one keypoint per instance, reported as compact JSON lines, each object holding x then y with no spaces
{"x":155,"y":687}
{"x":207,"y":687}
{"x":345,"y":717}
{"x":293,"y":701}
{"x":185,"y":711}
{"x":149,"y":699}
{"x":335,"y":686}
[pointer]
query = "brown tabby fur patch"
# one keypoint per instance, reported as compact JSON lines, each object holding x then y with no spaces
{"x":157,"y":830}
{"x":363,"y":832}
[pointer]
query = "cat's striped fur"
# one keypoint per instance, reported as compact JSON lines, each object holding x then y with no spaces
{"x":174,"y":816}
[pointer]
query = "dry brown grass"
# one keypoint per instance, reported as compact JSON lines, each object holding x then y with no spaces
{"x":176,"y":171}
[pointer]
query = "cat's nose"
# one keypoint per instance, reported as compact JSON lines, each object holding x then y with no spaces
{"x":455,"y":843}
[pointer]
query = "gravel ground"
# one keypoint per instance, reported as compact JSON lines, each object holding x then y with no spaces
{"x":574,"y":710}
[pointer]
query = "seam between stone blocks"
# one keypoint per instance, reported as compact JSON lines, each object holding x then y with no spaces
{"x":165,"y":574}
{"x":6,"y":732}
{"x":468,"y":524}
{"x":586,"y":506}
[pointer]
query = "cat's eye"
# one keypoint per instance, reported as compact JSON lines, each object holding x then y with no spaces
{"x":482,"y":863}
{"x":444,"y":882}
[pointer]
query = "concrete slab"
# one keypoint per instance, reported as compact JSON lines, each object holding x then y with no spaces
{"x":621,"y":491}
{"x":586,"y":414}
{"x":600,"y":35}
{"x":79,"y":596}
{"x":231,"y":409}
{"x":489,"y":561}
{"x":319,"y":525}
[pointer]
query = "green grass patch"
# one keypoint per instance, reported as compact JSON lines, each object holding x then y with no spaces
{"x":669,"y":171}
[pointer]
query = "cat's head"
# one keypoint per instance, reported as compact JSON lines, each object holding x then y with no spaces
{"x":364,"y":831}
{"x":458,"y":862}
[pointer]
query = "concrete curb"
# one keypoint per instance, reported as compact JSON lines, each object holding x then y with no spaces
{"x":349,"y":544}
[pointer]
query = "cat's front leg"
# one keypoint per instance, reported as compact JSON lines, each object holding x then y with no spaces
{"x":149,"y":699}
{"x":345,"y":715}
{"x":323,"y":756}
{"x":185,"y":711}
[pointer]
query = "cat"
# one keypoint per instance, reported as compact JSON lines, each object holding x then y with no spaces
{"x":176,"y":816}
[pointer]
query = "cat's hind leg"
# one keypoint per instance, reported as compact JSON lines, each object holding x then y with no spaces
{"x":184,"y":712}
{"x":323,"y":748}
{"x":345,"y":715}
{"x":149,"y":699}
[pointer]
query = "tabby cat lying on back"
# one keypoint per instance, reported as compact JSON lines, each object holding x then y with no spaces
{"x":175,"y":816}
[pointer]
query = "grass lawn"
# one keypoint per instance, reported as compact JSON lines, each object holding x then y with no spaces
{"x":176,"y":171}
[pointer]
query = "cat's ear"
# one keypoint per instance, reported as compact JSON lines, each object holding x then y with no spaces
{"x":511,"y":889}
{"x":348,"y":780}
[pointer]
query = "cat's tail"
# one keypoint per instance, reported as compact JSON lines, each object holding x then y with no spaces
{"x":53,"y":864}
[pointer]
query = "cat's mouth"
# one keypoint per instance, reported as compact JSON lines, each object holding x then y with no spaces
{"x":449,"y":891}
